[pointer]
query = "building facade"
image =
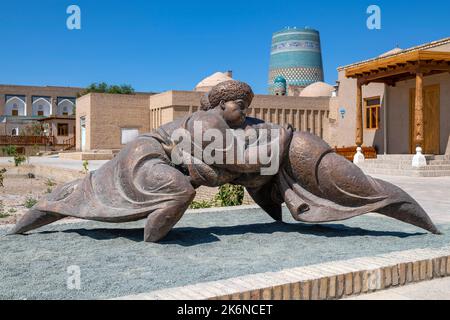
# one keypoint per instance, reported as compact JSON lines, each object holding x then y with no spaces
{"x":396,"y":102}
{"x":24,"y":108}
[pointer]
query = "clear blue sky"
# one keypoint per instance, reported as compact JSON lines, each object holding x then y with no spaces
{"x":161,"y":45}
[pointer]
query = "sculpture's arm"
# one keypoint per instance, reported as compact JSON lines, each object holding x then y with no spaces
{"x":246,"y":150}
{"x":265,"y":145}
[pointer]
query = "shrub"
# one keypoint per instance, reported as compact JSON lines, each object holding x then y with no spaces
{"x":201,"y":204}
{"x":50,"y":183}
{"x":30,"y":202}
{"x":230,"y":195}
{"x":12,"y":152}
{"x":18,"y":159}
{"x":2,"y":176}
{"x":85,"y":166}
{"x":3,"y":214}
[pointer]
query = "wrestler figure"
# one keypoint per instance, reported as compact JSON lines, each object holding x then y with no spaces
{"x":143,"y":181}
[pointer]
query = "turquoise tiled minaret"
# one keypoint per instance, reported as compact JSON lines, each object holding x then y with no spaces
{"x":279,"y":86}
{"x":296,"y":56}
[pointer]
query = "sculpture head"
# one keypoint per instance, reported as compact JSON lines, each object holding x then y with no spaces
{"x":232,"y":98}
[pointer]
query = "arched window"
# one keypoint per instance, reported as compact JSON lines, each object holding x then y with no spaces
{"x":15,"y":106}
{"x":65,"y":108}
{"x":41,"y":107}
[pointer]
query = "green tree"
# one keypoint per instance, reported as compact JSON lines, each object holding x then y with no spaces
{"x":103,"y":87}
{"x":11,"y":151}
{"x":32,"y":129}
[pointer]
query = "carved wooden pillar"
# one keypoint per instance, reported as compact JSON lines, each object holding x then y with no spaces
{"x":418,"y":111}
{"x":359,"y":115}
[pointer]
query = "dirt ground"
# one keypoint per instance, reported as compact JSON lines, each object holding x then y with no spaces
{"x":16,"y":192}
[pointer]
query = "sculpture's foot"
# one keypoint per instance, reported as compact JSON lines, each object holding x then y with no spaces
{"x":320,"y":186}
{"x":34,"y":219}
{"x":411,"y":213}
{"x":161,"y":221}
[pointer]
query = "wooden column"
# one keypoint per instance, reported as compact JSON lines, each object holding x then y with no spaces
{"x":418,"y":111}
{"x":359,"y":115}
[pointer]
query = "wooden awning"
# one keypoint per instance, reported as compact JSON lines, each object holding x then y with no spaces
{"x":400,"y":67}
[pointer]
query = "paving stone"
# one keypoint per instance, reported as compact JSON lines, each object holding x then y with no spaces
{"x":416,"y":271}
{"x":409,"y":272}
{"x":395,"y":276}
{"x":357,"y":282}
{"x":340,"y":285}
{"x":332,"y":287}
{"x":443,"y":267}
{"x":323,"y":288}
{"x":315,"y":289}
{"x":306,"y":289}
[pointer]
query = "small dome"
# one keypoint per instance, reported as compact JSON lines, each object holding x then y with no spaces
{"x":317,"y":89}
{"x":391,"y":52}
{"x":206,"y":84}
{"x":279,"y":79}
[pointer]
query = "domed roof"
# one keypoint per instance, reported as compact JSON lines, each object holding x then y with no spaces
{"x":214,"y":79}
{"x":317,"y":89}
{"x":391,"y":52}
{"x":280,"y":79}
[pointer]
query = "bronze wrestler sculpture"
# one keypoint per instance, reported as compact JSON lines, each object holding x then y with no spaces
{"x":145,"y":181}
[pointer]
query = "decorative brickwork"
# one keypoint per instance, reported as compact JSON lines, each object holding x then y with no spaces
{"x":333,"y":280}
